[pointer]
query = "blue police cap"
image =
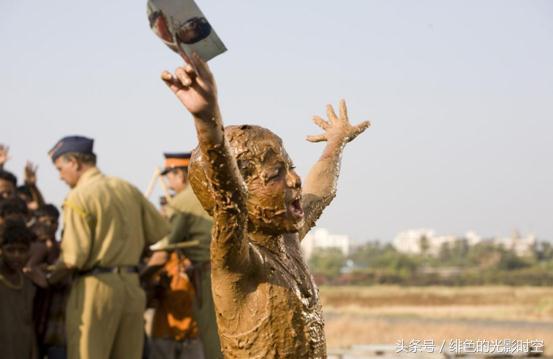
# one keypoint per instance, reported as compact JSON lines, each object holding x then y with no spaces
{"x":68,"y":144}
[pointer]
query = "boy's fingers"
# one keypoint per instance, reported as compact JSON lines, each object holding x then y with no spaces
{"x":359,"y":129}
{"x":331,"y":114}
{"x":183,"y":77}
{"x":320,"y":122}
{"x":190,"y":71}
{"x":169,"y":80}
{"x":363,"y":126}
{"x":166,"y":76}
{"x":316,"y":138}
{"x":343,"y":110}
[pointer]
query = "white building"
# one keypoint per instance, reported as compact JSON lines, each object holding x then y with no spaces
{"x":417,"y":241}
{"x":522,"y":246}
{"x":320,"y":238}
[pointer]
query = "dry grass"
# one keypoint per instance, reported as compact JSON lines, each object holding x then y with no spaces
{"x":386,"y":314}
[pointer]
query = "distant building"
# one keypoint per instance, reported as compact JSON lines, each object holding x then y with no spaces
{"x":320,"y":238}
{"x":522,"y":246}
{"x":419,"y":241}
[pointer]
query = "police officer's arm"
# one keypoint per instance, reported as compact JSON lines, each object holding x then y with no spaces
{"x":320,"y":186}
{"x":179,"y":228}
{"x":155,"y":226}
{"x":78,"y":233}
{"x":195,"y":87}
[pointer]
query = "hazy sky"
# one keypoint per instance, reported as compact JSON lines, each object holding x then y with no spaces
{"x":460,"y":95}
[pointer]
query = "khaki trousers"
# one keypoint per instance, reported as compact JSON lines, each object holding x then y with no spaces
{"x":104,"y":317}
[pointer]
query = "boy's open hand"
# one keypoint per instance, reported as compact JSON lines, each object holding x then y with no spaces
{"x":338,"y":128}
{"x":194,"y":86}
{"x":30,"y":173}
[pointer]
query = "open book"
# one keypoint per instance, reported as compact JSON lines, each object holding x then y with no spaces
{"x":181,"y":25}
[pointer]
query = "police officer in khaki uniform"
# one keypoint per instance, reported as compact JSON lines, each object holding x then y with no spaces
{"x":189,"y":221}
{"x":107,"y":224}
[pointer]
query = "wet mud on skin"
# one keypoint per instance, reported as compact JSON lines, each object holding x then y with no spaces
{"x":266,"y":300}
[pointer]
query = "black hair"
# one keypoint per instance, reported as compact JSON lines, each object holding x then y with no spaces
{"x":8,"y":176}
{"x":10,"y":206}
{"x":48,"y":210}
{"x":14,"y":231}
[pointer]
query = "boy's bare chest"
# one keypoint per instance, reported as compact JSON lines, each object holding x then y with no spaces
{"x":278,"y":309}
{"x":286,"y":273}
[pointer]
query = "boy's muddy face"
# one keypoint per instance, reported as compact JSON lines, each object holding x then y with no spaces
{"x":274,"y":191}
{"x":273,"y":187}
{"x":15,"y":255}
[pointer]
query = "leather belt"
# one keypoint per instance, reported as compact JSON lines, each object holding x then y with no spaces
{"x":101,"y":270}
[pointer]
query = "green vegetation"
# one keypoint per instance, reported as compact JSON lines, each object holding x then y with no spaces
{"x":457,"y":264}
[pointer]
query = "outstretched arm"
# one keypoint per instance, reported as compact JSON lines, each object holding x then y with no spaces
{"x":320,"y":186}
{"x":195,"y":87}
{"x":30,"y":181}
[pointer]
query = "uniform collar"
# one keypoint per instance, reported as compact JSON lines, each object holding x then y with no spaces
{"x":89,"y":174}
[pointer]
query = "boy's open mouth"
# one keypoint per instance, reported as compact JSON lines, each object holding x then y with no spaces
{"x":295,"y":208}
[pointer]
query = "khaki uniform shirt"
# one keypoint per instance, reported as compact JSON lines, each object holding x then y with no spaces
{"x":189,"y":222}
{"x":107,"y":223}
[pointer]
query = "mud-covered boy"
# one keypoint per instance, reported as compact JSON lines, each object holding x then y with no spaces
{"x":266,"y":301}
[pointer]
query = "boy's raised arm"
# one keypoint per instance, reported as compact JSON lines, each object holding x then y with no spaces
{"x":320,"y":185}
{"x":194,"y":85}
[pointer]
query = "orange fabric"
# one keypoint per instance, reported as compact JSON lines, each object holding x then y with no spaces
{"x":173,"y":315}
{"x":176,"y":162}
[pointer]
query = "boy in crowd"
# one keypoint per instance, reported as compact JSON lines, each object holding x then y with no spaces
{"x":266,"y":301}
{"x":8,"y":184}
{"x":49,"y":305}
{"x":13,"y":208}
{"x":17,"y":338}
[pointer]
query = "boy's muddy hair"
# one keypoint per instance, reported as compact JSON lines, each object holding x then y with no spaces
{"x":249,"y":144}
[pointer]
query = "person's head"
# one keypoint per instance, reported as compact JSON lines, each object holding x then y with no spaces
{"x":175,"y":170}
{"x":49,"y":216}
{"x":177,"y":179}
{"x":73,"y":156}
{"x":15,"y":242}
{"x":8,"y":184}
{"x":42,"y":231}
{"x":274,"y":187}
{"x":13,"y":209}
{"x":193,"y":30}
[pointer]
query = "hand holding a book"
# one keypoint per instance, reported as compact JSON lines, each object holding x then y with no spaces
{"x":194,"y":85}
